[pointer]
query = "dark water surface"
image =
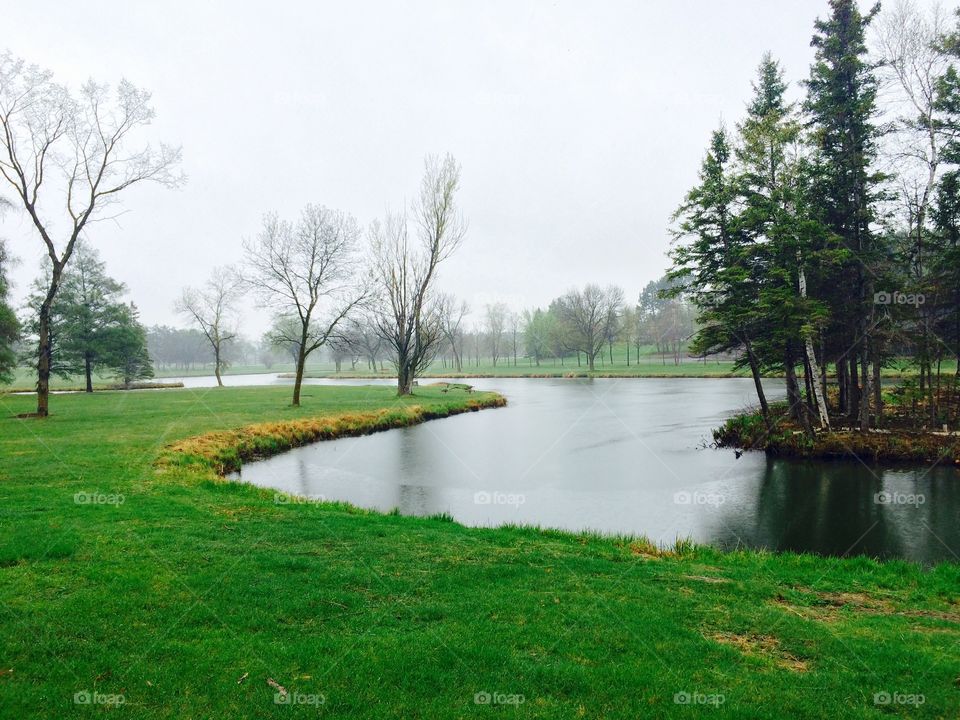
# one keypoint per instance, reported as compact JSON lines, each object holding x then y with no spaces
{"x":628,"y":456}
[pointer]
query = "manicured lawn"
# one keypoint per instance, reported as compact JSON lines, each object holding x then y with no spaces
{"x":648,"y":367}
{"x":192,"y":595}
{"x":26,"y":378}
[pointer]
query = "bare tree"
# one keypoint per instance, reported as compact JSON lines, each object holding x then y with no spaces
{"x":407,"y":316}
{"x":495,"y":320}
{"x":588,"y":316}
{"x":73,"y":153}
{"x":514,"y":323}
{"x":309,"y":274}
{"x":912,"y":62}
{"x":452,"y":314}
{"x":212,"y":309}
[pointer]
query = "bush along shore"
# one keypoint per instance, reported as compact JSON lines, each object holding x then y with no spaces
{"x":903,"y":440}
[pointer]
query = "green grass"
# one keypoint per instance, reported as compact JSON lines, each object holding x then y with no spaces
{"x":194,"y":593}
{"x":647,"y":367}
{"x":650,"y":365}
{"x":26,"y":378}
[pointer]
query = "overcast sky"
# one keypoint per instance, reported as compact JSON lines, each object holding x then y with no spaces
{"x":578,"y":125}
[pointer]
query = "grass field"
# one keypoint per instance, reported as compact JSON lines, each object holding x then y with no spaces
{"x":180,"y":595}
{"x":26,"y":379}
{"x":646,"y":368}
{"x":650,"y":365}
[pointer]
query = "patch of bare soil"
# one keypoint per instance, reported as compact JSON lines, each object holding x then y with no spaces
{"x":707,"y":579}
{"x":762,"y":646}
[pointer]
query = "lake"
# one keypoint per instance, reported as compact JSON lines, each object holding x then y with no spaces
{"x":626,"y":456}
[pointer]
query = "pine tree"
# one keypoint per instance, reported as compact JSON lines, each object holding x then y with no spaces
{"x":714,"y":265}
{"x":773,"y":189}
{"x":841,"y":104}
{"x":125,"y":351}
{"x":89,"y":309}
{"x":88,"y":319}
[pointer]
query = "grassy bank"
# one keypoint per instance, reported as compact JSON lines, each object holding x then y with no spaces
{"x":125,"y":574}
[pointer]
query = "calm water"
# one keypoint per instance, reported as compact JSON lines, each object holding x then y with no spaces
{"x":628,"y":456}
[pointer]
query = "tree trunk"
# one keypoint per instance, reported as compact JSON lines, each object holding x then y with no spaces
{"x":44,"y":351}
{"x":798,"y":410}
{"x":813,"y":370}
{"x":816,"y":384}
{"x":865,"y":392}
{"x":404,"y":380}
{"x":298,"y":380}
{"x":88,"y":372}
{"x":877,"y":390}
{"x":216,"y":366}
{"x":853,"y":380}
{"x":761,"y":396}
{"x":843,"y":386}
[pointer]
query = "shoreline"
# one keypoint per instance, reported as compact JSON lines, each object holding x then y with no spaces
{"x":225,"y":451}
{"x":747,"y":432}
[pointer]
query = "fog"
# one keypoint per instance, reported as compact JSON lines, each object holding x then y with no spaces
{"x":578,"y":126}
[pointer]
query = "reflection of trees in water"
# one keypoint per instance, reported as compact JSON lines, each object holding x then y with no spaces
{"x":829,"y":508}
{"x":417,"y":500}
{"x":412,"y":498}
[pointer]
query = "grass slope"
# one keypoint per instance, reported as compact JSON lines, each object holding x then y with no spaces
{"x":198,"y":598}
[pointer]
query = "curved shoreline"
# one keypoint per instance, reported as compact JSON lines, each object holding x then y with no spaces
{"x":225,"y":451}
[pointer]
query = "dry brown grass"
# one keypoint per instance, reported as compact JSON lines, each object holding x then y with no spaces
{"x":762,"y":646}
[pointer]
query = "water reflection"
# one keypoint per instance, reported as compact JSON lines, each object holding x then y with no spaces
{"x":627,"y":456}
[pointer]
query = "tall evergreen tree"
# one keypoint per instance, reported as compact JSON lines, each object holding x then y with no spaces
{"x":714,"y":265}
{"x":124,"y":349}
{"x":773,"y":190}
{"x":91,"y":329}
{"x":89,"y":310}
{"x":841,"y":104}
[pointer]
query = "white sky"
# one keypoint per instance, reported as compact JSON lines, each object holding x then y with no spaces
{"x":579,"y":125}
